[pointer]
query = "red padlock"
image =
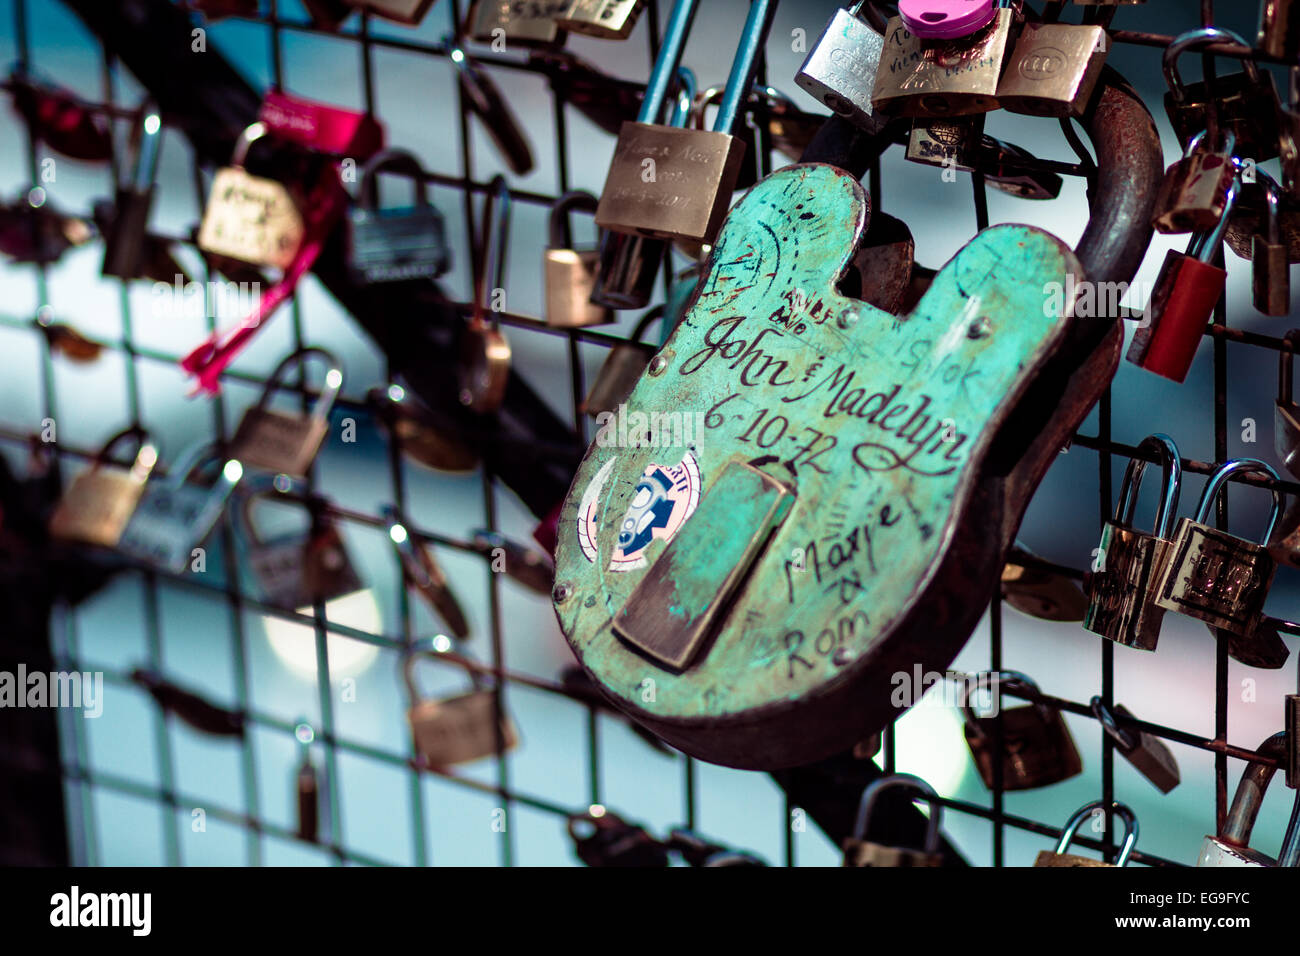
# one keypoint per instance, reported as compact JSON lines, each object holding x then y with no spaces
{"x":1182,"y":304}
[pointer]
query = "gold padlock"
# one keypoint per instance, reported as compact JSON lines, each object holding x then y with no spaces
{"x":531,"y":23}
{"x":571,"y":273}
{"x":281,"y":442}
{"x":607,"y":19}
{"x":859,"y":851}
{"x":98,"y":504}
{"x":456,"y":730}
{"x":250,"y":218}
{"x":1053,"y":69}
{"x":1061,"y":858}
{"x":941,"y":77}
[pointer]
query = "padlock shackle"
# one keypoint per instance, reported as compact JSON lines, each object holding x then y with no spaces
{"x":1110,"y":724}
{"x":1249,"y":795}
{"x":1011,"y":678}
{"x":391,"y":160}
{"x":1120,"y":810}
{"x":1219,"y":479}
{"x":1194,"y":39}
{"x":1171,"y":466}
{"x":744,"y":68}
{"x":901,"y":781}
{"x":251,"y":134}
{"x":146,"y":455}
{"x":460,"y":658}
{"x":558,"y":226}
{"x":146,"y":145}
{"x":333,"y":379}
{"x":1229,"y":145}
{"x":1204,"y":245}
{"x":192,"y":461}
{"x":262,"y":485}
{"x":1286,"y":361}
{"x":491,"y":255}
{"x":1272,"y":206}
{"x":1289,"y":854}
{"x":421,"y":570}
{"x":670,"y":57}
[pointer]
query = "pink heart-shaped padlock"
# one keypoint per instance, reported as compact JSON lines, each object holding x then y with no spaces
{"x":946,"y":19}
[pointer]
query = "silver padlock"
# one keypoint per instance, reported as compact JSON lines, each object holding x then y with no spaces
{"x":1060,"y":858}
{"x":456,"y":730}
{"x":859,"y":851}
{"x":1231,"y":847}
{"x":283,"y":442}
{"x":174,"y":516}
{"x":841,"y":69}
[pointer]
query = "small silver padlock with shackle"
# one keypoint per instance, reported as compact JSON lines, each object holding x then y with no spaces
{"x":1061,"y":858}
{"x":859,"y":851}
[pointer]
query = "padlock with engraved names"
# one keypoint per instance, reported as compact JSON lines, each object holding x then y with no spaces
{"x":1053,"y":69}
{"x":392,"y":245}
{"x":1092,"y":811}
{"x":859,"y":851}
{"x":954,"y":143}
{"x":1245,"y":103}
{"x":667,"y":183}
{"x":1194,"y":191}
{"x":1015,"y":171}
{"x":526,"y":22}
{"x":175,"y":515}
{"x":630,"y":265}
{"x":1037,"y":747}
{"x":941,"y":77}
{"x":251,"y":218}
{"x":283,"y":442}
{"x":840,"y":71}
{"x":96,"y":506}
{"x":1147,"y":753}
{"x":570,"y":272}
{"x":410,"y":12}
{"x":126,"y":240}
{"x":456,"y":730}
{"x":1214,"y":576}
{"x":1182,"y":304}
{"x":1121,"y":605}
{"x":946,"y":19}
{"x":606,"y":19}
{"x":1270,"y":265}
{"x":1231,"y":846}
{"x":622,"y":369}
{"x":300,"y":568}
{"x":421,"y":571}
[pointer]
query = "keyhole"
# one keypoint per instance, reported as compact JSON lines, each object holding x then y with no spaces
{"x":934,"y":17}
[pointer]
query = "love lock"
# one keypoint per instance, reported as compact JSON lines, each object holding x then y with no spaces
{"x":96,"y":507}
{"x":302,"y":568}
{"x":456,"y":730}
{"x":287,"y":443}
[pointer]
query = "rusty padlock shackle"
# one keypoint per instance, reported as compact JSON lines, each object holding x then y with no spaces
{"x":391,"y":160}
{"x":146,"y":455}
{"x":1012,"y":679}
{"x":557,"y":224}
{"x":1219,"y":479}
{"x":901,"y":781}
{"x":1171,"y":477}
{"x":1249,"y":795}
{"x":1120,"y":810}
{"x":1194,"y":39}
{"x":333,"y":379}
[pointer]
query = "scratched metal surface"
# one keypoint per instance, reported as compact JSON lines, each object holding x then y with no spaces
{"x":874,"y":423}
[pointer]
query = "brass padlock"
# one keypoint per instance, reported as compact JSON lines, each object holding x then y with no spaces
{"x":1037,"y":747}
{"x":1040,"y":591}
{"x":175,"y":516}
{"x":528,"y":23}
{"x":1121,"y":605}
{"x":251,"y":218}
{"x":859,"y":851}
{"x":1194,"y":191}
{"x":623,"y":368}
{"x":1231,"y":846}
{"x":1148,"y":754}
{"x":941,"y":77}
{"x":1245,"y":104}
{"x":840,"y":71}
{"x":1214,"y":576}
{"x":301,"y":568}
{"x":1060,"y":857}
{"x":96,"y":507}
{"x":954,"y":143}
{"x":570,"y":273}
{"x":668,"y":183}
{"x":421,"y":571}
{"x":484,"y":351}
{"x":1053,"y":69}
{"x":281,"y":442}
{"x":607,"y":19}
{"x":456,"y":730}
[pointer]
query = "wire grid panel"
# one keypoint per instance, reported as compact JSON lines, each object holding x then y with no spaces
{"x":379,"y":809}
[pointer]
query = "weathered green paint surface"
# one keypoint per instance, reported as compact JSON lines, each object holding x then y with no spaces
{"x":871,"y":417}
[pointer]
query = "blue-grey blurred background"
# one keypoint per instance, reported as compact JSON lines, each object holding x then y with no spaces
{"x":131,"y":750}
